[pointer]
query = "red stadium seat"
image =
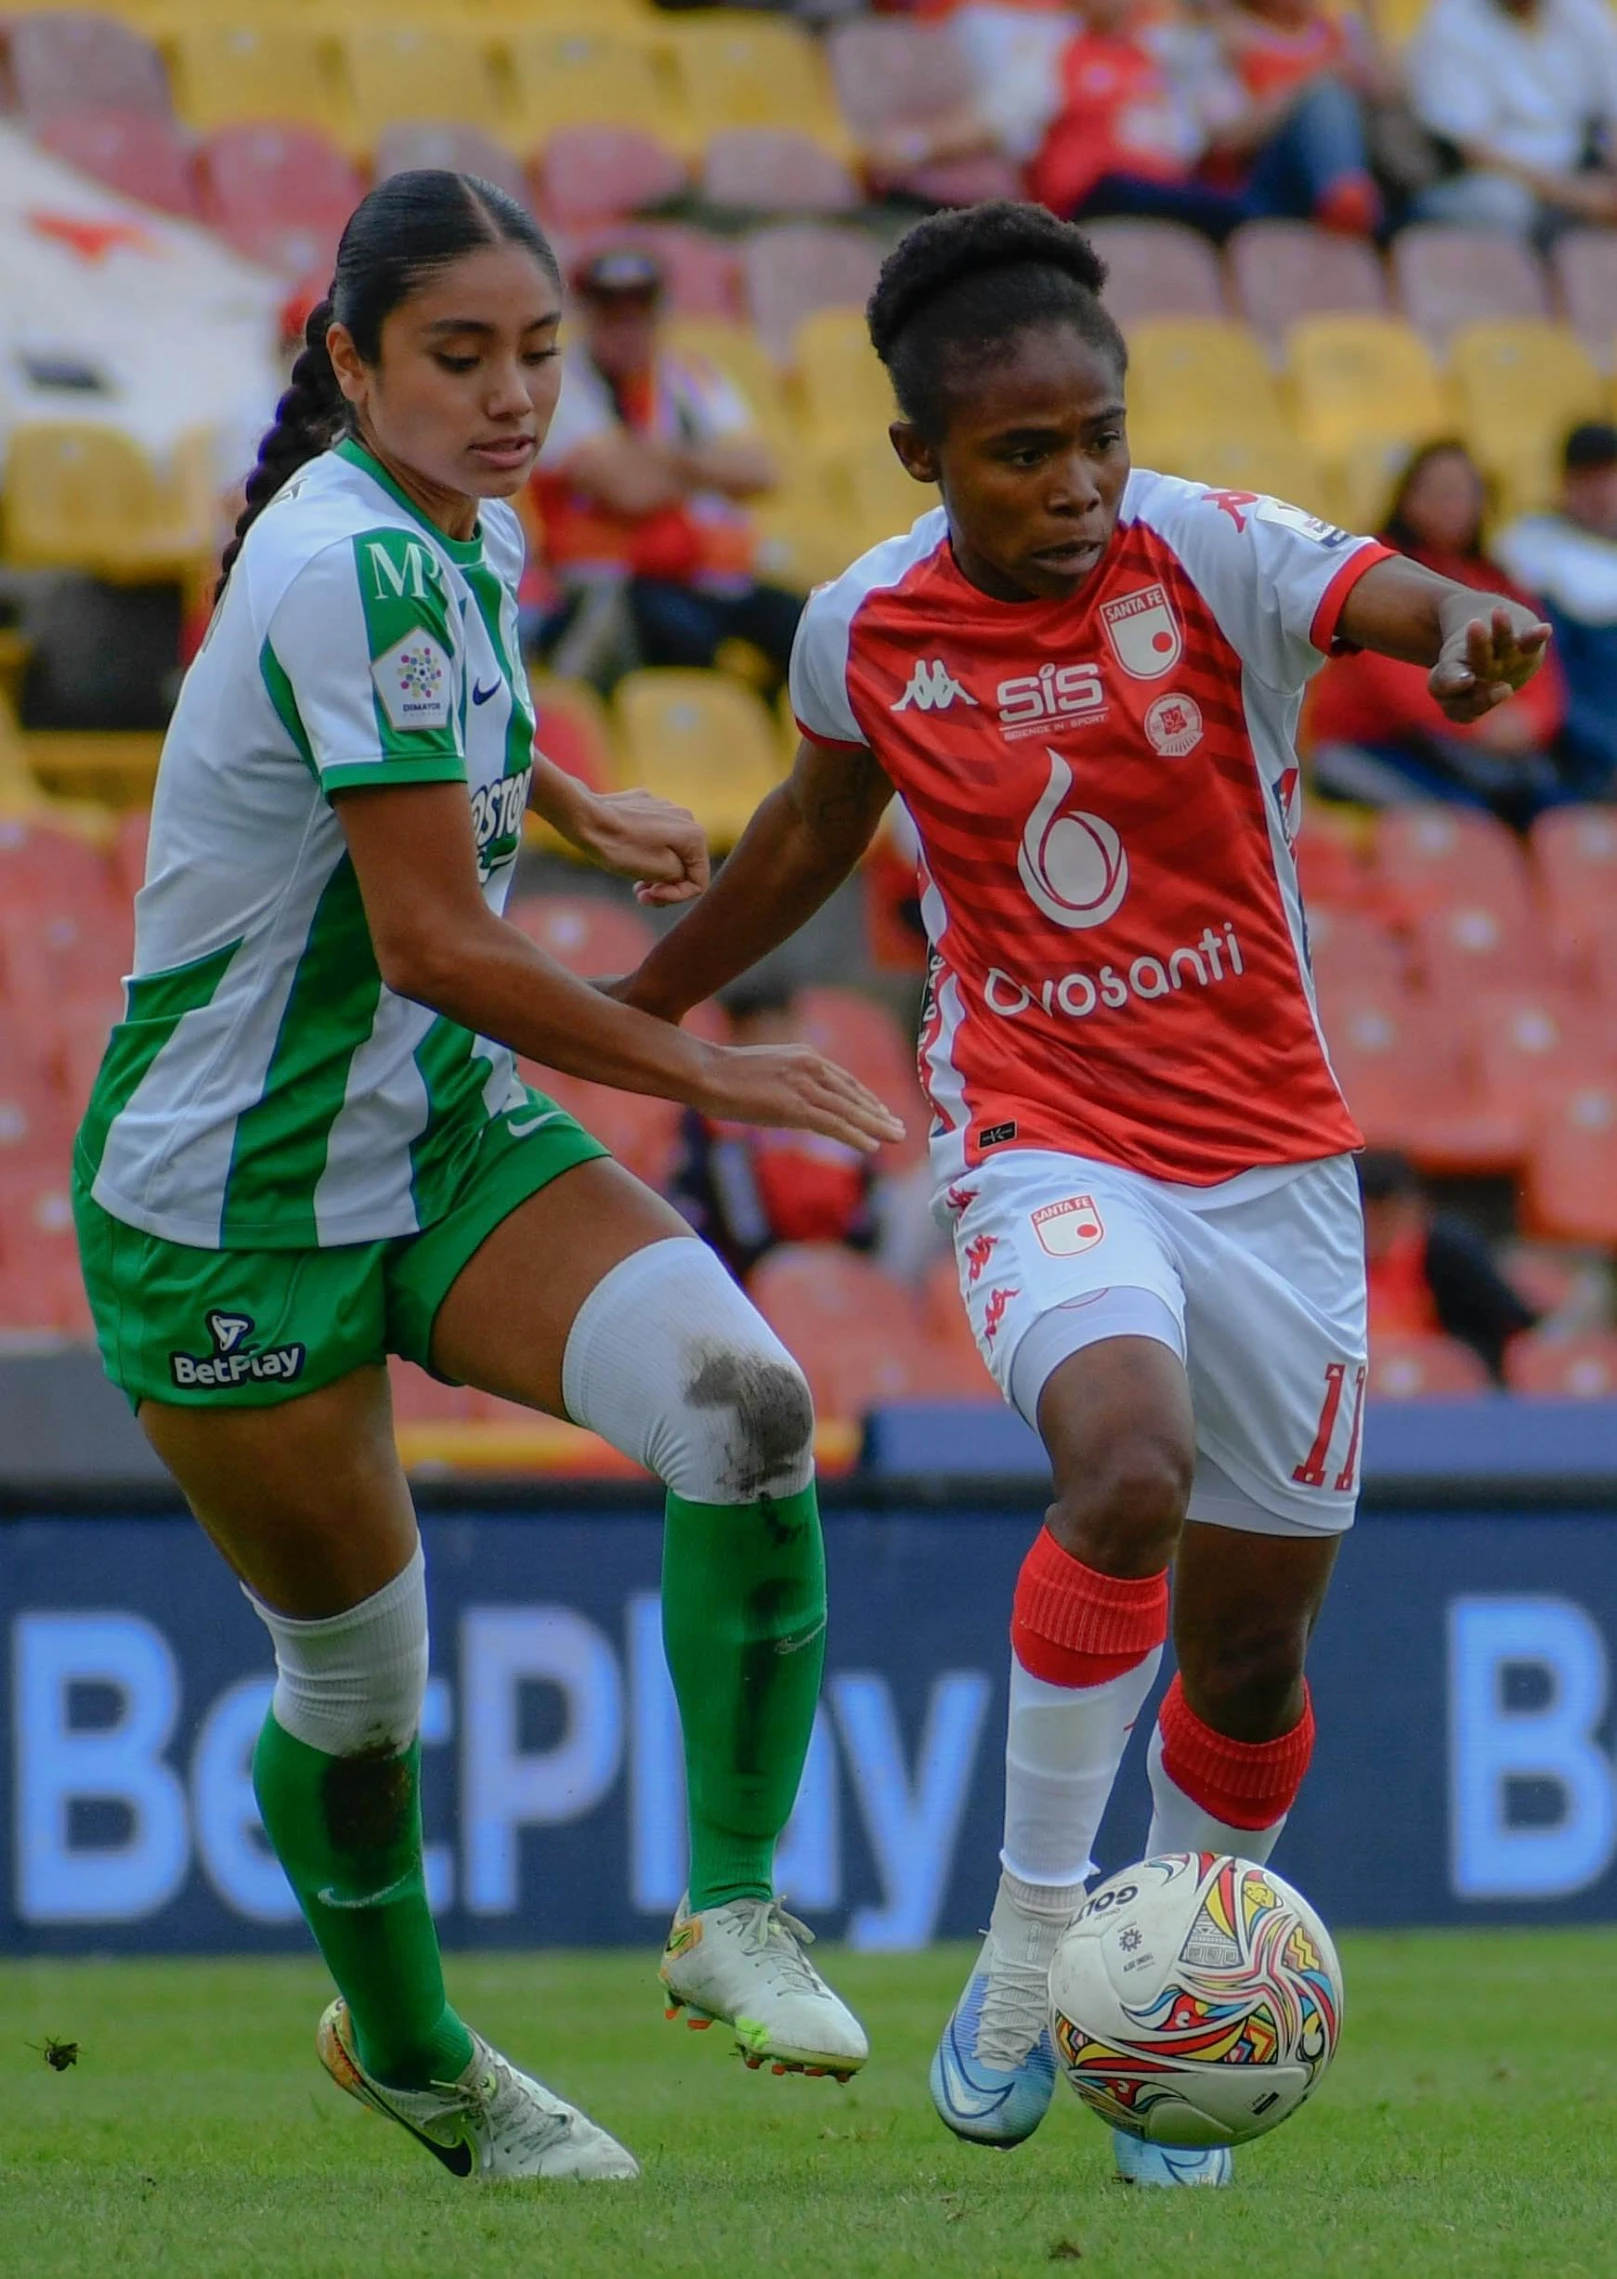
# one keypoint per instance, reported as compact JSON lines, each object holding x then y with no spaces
{"x":1570,"y":1190}
{"x":797,"y":267}
{"x":586,"y":933}
{"x":891,"y":72}
{"x":410,"y":143}
{"x":43,"y":867}
{"x":1280,"y":271}
{"x":574,"y":732}
{"x":1575,"y":857}
{"x":701,"y":272}
{"x":1158,"y":269}
{"x":858,"y":1334}
{"x":129,"y":851}
{"x":1564,"y":1368}
{"x":1353,"y":952}
{"x":136,"y":153}
{"x":1478,"y":943}
{"x":1425,"y":856}
{"x":824,"y":1283}
{"x":66,"y":61}
{"x":42,"y":1288}
{"x":769,"y":170}
{"x":1409,"y":1084}
{"x":35,"y":1126}
{"x":1447,"y":276}
{"x":421,"y":1399}
{"x":641,"y":1131}
{"x":1532,"y":1046}
{"x":588,"y":174}
{"x":1584,"y":265}
{"x":280,"y":194}
{"x":1416,"y":1368}
{"x":1331,"y":865}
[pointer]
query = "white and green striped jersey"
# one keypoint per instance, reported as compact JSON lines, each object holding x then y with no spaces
{"x":264,"y":1089}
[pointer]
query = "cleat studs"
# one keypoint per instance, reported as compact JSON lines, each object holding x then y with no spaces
{"x":672,"y":2010}
{"x":753,"y":2063}
{"x":698,"y":2025}
{"x":777,"y":2067}
{"x":842,"y":2079}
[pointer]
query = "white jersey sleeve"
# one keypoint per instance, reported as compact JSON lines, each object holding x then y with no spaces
{"x":1274,"y":576}
{"x":362,"y":663}
{"x":819,"y":671}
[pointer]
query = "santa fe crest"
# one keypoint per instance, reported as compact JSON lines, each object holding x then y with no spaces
{"x":1068,"y":1229}
{"x":1144,"y":633}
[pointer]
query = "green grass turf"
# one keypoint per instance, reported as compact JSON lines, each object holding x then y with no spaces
{"x":1468,"y":2129}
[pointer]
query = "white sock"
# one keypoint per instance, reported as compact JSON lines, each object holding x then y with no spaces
{"x":1178,"y":1823}
{"x":357,"y":1680}
{"x":1063,"y":1745}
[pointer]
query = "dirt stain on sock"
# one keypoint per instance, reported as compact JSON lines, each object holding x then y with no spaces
{"x":774,"y":1417}
{"x":367,"y":1799}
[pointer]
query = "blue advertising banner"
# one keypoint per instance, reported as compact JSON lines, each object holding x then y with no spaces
{"x":1461,"y":1677}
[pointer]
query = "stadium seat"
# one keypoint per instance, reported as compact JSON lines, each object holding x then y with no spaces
{"x":1412,"y":1367}
{"x":83,"y":62}
{"x":736,"y":352}
{"x":803,"y":539}
{"x":854,"y":1029}
{"x":879,"y":497}
{"x":1575,"y":859}
{"x":1410,"y":1084}
{"x":1447,"y":276}
{"x":587,"y":933}
{"x":1533,"y":1046}
{"x":591,"y":173}
{"x":701,"y":740}
{"x":850,"y":1326}
{"x":1351,"y":376}
{"x":1354,"y":951}
{"x":35,"y":1125}
{"x":46,"y":868}
{"x":575,"y":730}
{"x":1330,"y":857}
{"x":1274,"y":462}
{"x":421,"y":1399}
{"x":41,"y":1287}
{"x":1158,"y":269}
{"x":1521,"y":384}
{"x":1364,"y":479}
{"x":463,"y":149}
{"x":1583,"y":263}
{"x":890,"y":71}
{"x":1582,"y":1368}
{"x":280,"y":72}
{"x":129,"y":851}
{"x":775,"y":170}
{"x":404,"y":71}
{"x":1425,"y":856}
{"x":1202,"y":373}
{"x":1570,"y":1188}
{"x":838,"y":380}
{"x":740,"y":68}
{"x":86,"y":497}
{"x":565,"y":75}
{"x":793,"y":268}
{"x":1476,"y":943}
{"x":135,"y":153}
{"x":280,"y":194}
{"x":1280,"y":271}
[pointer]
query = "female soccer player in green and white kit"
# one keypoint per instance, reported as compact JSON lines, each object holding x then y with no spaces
{"x":307,"y":1148}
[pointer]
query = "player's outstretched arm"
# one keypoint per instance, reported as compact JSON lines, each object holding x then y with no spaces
{"x":436,"y":940}
{"x":633,"y":834}
{"x":799,"y":847}
{"x":1481,"y":647}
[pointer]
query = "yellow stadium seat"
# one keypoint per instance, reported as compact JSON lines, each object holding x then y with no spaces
{"x":1365,"y":477}
{"x":224,"y":71}
{"x":606,"y":74}
{"x":79,"y":496}
{"x":702,"y":740}
{"x":1276,"y":464}
{"x":837,"y":378}
{"x":739,"y":69}
{"x":401,"y":72}
{"x":804,"y":540}
{"x":1362,"y":375}
{"x":1520,"y":386}
{"x":866,"y":482}
{"x":1198,"y":375}
{"x":736,"y":351}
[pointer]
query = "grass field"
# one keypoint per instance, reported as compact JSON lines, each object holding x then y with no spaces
{"x":1469,"y":2128}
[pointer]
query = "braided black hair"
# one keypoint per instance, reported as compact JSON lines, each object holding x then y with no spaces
{"x":957,"y":290}
{"x":400,"y":234}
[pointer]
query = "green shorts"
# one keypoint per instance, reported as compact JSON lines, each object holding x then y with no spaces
{"x":246,"y":1328}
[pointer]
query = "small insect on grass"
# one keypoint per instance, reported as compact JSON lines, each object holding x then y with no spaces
{"x":57,"y":2055}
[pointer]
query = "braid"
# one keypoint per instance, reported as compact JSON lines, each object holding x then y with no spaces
{"x":308,"y":419}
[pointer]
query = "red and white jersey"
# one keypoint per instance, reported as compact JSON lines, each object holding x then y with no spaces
{"x":1105,"y":791}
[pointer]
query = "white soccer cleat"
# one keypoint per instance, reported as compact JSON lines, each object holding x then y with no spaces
{"x":493,"y":2122}
{"x":743,"y":1966}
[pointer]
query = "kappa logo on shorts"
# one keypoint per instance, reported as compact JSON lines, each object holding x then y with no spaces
{"x":994,"y":1312}
{"x":1067,"y":1230}
{"x":979,"y":1251}
{"x":233,"y":1360}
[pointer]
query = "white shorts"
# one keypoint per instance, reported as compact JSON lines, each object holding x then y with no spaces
{"x":1257,"y":1285}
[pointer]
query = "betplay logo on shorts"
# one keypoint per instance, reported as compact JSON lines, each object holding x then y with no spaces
{"x":233,"y":1360}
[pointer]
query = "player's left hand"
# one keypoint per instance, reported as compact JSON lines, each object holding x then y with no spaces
{"x":636,"y":835}
{"x":1487,"y":659}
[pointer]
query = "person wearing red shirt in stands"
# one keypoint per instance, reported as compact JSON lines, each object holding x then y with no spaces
{"x":1379,"y":735}
{"x":1083,"y":681}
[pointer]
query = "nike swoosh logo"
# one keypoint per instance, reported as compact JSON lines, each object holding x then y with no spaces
{"x":482,"y":695}
{"x":533,"y":1124}
{"x":457,"y":2158}
{"x":330,"y":1897}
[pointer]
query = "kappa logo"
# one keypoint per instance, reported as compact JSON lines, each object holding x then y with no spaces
{"x":933,"y":688}
{"x":1144,"y":633}
{"x":959,"y":1200}
{"x":1069,"y":1228}
{"x":1073,"y":865}
{"x":994,"y":1312}
{"x":1174,"y":725}
{"x":979,"y":1251}
{"x":233,"y":1360}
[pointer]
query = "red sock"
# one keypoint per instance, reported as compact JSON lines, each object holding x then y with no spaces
{"x":1073,"y":1626}
{"x":1351,"y":206}
{"x":1246,"y":1784}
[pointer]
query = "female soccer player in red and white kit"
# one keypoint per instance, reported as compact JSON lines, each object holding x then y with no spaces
{"x":1084,"y":684}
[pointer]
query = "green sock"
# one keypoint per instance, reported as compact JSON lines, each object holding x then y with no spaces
{"x":347,"y":1830}
{"x":744,"y":1632}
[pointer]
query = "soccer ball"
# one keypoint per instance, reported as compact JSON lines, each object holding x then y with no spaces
{"x":1196,"y":2000}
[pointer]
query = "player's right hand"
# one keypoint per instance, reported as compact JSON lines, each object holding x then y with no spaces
{"x":793,"y":1087}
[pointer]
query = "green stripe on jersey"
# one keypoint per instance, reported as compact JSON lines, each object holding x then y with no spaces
{"x":280,"y":692}
{"x":455,"y":1068}
{"x":406,"y":605}
{"x":282,"y":1140}
{"x":158,"y":1003}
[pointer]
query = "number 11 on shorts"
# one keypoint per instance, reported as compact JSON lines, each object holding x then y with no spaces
{"x":1310,"y":1473}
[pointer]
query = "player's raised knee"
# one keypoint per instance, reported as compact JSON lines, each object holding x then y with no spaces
{"x":751,"y":1390}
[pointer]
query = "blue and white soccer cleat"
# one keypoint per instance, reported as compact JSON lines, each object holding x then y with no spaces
{"x":1139,"y":2163}
{"x":994,"y":2070}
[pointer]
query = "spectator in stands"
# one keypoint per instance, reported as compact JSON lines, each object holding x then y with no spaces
{"x":1524,"y":92}
{"x":1570,"y":557}
{"x":1378,"y":735}
{"x":745,"y":1190}
{"x":1430,"y":1270}
{"x":643,"y":480}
